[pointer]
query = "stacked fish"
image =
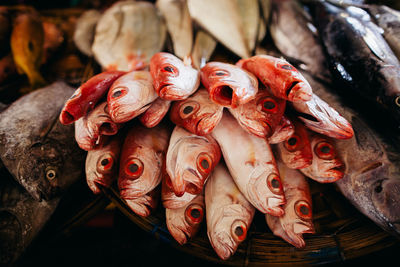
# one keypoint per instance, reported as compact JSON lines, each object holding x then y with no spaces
{"x":244,"y":138}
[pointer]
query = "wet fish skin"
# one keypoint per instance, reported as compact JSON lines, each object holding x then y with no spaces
{"x":227,"y":84}
{"x":197,"y":114}
{"x":144,"y":205}
{"x":173,"y":79}
{"x":228,"y":213}
{"x":281,"y":77}
{"x":190,"y":160}
{"x":130,"y":95}
{"x":87,"y":95}
{"x":297,"y":219}
{"x":252,"y":165}
{"x":156,"y":112}
{"x":168,"y":197}
{"x":36,"y":148}
{"x":282,"y":132}
{"x":85,"y":28}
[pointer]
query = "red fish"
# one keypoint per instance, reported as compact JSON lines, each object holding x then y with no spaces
{"x":156,"y":112}
{"x":228,"y":85}
{"x":295,"y":151}
{"x":173,"y":79}
{"x":87,"y":95}
{"x":168,"y":197}
{"x":282,"y":132}
{"x":276,"y":73}
{"x":197,"y":114}
{"x":144,"y":205}
{"x":261,"y":115}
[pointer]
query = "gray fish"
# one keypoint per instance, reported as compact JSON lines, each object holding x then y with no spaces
{"x":35,"y":147}
{"x":85,"y":29}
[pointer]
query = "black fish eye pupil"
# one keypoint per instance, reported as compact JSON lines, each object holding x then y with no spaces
{"x":304,"y":210}
{"x":104,"y":162}
{"x":220,"y":73}
{"x":30,"y":46}
{"x":287,"y":67}
{"x":325,"y":149}
{"x":187,"y":110}
{"x":195,"y":213}
{"x":168,"y":68}
{"x":378,"y":189}
{"x":269,"y":105}
{"x":117,"y":93}
{"x":133,"y":167}
{"x":239,"y":231}
{"x":204,"y":163}
{"x":275,"y":183}
{"x":292,"y":141}
{"x":51,"y":174}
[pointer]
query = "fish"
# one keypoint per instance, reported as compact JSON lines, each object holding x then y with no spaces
{"x":142,"y":159}
{"x":360,"y":59}
{"x":252,"y":165}
{"x":144,"y":205}
{"x":101,"y":165}
{"x":5,"y":31}
{"x":228,"y":31}
{"x":295,"y":36}
{"x":179,"y":25}
{"x":297,"y":219}
{"x":90,"y":129}
{"x":190,"y":160}
{"x":203,"y":48}
{"x":27,"y":39}
{"x":184,"y":223}
{"x":249,"y":12}
{"x":227,"y":84}
{"x":130,"y":95}
{"x":173,"y":79}
{"x":35,"y":147}
{"x":168,"y":197}
{"x":284,"y":80}
{"x":53,"y":39}
{"x":261,"y":115}
{"x":127,"y":35}
{"x":326,"y":167}
{"x":21,"y":218}
{"x":197,"y":114}
{"x":7,"y":68}
{"x":155,"y":113}
{"x":295,"y":152}
{"x":87,"y":96}
{"x":282,"y":132}
{"x":84,"y":31}
{"x":228,"y":213}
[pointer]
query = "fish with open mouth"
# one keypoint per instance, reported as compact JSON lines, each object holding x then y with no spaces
{"x":155,"y":113}
{"x":130,"y":95}
{"x":282,"y":132}
{"x":101,"y":166}
{"x":228,"y":213}
{"x":197,"y":114}
{"x":252,"y":165}
{"x":190,"y":160}
{"x":261,"y":115}
{"x":168,"y":197}
{"x":144,"y":205}
{"x":297,"y":219}
{"x":39,"y":151}
{"x":87,"y":96}
{"x":228,"y":85}
{"x":173,"y":79}
{"x":281,"y":77}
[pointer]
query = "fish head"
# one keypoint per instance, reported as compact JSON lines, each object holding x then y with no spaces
{"x":145,"y":204}
{"x":183,"y":223}
{"x":227,"y":84}
{"x":282,"y":132}
{"x":169,"y":199}
{"x":127,"y":95}
{"x":229,"y":228}
{"x":197,"y":114}
{"x":172,"y":78}
{"x":99,"y":121}
{"x":72,"y":108}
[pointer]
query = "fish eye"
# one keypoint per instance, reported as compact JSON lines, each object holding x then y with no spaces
{"x":220,"y":73}
{"x":119,"y":92}
{"x":397,"y":101}
{"x":274,"y":183}
{"x":293,"y":143}
{"x":51,"y":174}
{"x":303,"y":209}
{"x":325,"y":150}
{"x":169,"y":68}
{"x":188,"y":109}
{"x":268,"y":105}
{"x":134,"y":168}
{"x":194,"y":213}
{"x":105,"y":163}
{"x":378,"y":188}
{"x":204,"y":162}
{"x":287,"y":67}
{"x":239,"y":230}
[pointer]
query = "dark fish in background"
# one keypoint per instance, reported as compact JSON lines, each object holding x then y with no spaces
{"x":5,"y":30}
{"x":35,"y":147}
{"x":7,"y":68}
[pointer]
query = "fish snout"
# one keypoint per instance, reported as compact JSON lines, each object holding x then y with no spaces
{"x":66,"y":117}
{"x":206,"y":124}
{"x":299,"y":91}
{"x":223,"y":245}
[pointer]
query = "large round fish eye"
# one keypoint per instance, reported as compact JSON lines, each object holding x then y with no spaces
{"x":51,"y":174}
{"x":220,"y":73}
{"x":293,"y":143}
{"x":325,"y":150}
{"x":105,"y":163}
{"x":274,"y":183}
{"x":188,"y":109}
{"x":268,"y":105}
{"x":194,"y":214}
{"x":134,"y":168}
{"x":239,"y":230}
{"x":119,"y":92}
{"x":204,"y":163}
{"x":303,"y":209}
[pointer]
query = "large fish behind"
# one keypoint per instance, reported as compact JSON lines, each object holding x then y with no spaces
{"x":84,"y":31}
{"x":37,"y":149}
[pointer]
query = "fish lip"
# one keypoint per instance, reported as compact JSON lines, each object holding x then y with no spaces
{"x":130,"y":193}
{"x":338,"y":131}
{"x":66,"y":117}
{"x":224,"y":97}
{"x":300,"y":92}
{"x":264,"y":131}
{"x":142,"y":209}
{"x":276,"y":208}
{"x":223,"y":249}
{"x":180,"y":235}
{"x":200,"y":129}
{"x":168,"y":92}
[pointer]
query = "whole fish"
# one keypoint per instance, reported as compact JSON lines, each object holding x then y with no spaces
{"x":296,"y":37}
{"x":179,"y":25}
{"x":203,"y":47}
{"x":297,"y":219}
{"x":229,"y":214}
{"x":155,"y":113}
{"x":281,"y":77}
{"x":361,"y":60}
{"x":144,"y":205}
{"x":127,"y":35}
{"x":85,"y":28}
{"x":282,"y":132}
{"x":184,"y":223}
{"x":87,"y":95}
{"x":252,"y":165}
{"x":130,"y":95}
{"x":168,"y":197}
{"x":197,"y":114}
{"x":101,"y":166}
{"x":142,"y":159}
{"x":295,"y":152}
{"x":261,"y":115}
{"x":326,"y":167}
{"x":190,"y":160}
{"x":21,"y":218}
{"x":173,"y":79}
{"x":27,"y":38}
{"x":227,"y":84}
{"x":40,"y":152}
{"x":93,"y":126}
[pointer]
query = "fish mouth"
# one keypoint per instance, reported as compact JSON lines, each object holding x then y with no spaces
{"x":224,"y":96}
{"x":182,"y":236}
{"x":108,"y":128}
{"x":141,"y":206}
{"x":223,"y":245}
{"x":206,"y":124}
{"x":298,"y":91}
{"x":124,"y":113}
{"x":274,"y":206}
{"x":260,"y":128}
{"x":170,"y":92}
{"x":332,"y":174}
{"x":66,"y":117}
